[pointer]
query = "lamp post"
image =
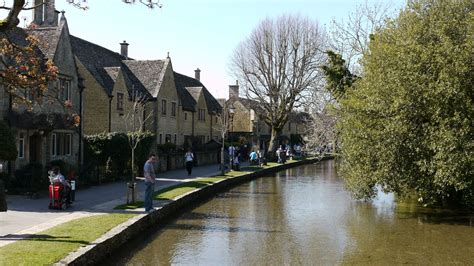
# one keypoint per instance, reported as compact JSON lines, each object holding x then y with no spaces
{"x":231,"y":116}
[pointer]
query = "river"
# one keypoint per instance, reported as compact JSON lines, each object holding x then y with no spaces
{"x":304,"y":216}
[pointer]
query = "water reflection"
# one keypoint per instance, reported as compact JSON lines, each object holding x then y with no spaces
{"x":304,"y":216}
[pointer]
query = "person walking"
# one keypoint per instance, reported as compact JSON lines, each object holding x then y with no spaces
{"x":231,"y":156}
{"x":189,"y":161}
{"x":150,"y":177}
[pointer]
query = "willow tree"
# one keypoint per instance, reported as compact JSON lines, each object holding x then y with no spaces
{"x":277,"y":64}
{"x":407,"y":123}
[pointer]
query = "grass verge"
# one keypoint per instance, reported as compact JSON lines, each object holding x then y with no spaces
{"x":54,"y":244}
{"x":174,"y":191}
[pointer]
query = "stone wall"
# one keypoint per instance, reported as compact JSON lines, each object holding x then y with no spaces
{"x":95,"y":118}
{"x":167,"y":123}
{"x":166,"y":162}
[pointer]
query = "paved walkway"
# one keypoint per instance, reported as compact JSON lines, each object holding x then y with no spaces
{"x":29,"y":216}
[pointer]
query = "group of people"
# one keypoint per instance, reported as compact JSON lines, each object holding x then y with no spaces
{"x":235,"y":154}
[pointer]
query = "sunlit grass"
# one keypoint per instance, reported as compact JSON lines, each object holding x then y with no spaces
{"x":52,"y":245}
{"x":172,"y":192}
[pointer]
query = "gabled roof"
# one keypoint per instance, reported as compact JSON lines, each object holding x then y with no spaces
{"x":49,"y":39}
{"x":96,"y":58}
{"x":189,"y":101}
{"x":112,"y":72}
{"x":149,"y":73}
{"x":195,"y":92}
{"x":250,"y":104}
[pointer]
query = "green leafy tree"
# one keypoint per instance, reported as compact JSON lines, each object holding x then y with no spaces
{"x":337,"y":75}
{"x":8,"y":152}
{"x":407,"y":124}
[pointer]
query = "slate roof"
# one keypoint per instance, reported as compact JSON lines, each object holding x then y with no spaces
{"x":149,"y":73}
{"x":96,"y":59}
{"x":18,"y":36}
{"x":293,"y":116}
{"x":188,"y":101}
{"x":49,"y":39}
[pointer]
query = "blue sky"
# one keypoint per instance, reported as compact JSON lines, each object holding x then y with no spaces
{"x":197,"y":33}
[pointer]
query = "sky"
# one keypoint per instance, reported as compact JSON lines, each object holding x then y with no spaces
{"x":197,"y":33}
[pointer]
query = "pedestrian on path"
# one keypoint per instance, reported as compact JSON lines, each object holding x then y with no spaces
{"x":189,"y":160}
{"x":150,"y":177}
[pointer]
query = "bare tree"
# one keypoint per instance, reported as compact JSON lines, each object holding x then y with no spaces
{"x":277,"y":64}
{"x":15,"y":8}
{"x":223,"y":124}
{"x":135,"y":122}
{"x":350,"y":38}
{"x":321,"y":129}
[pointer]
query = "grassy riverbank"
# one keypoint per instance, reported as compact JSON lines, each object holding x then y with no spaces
{"x":52,"y":245}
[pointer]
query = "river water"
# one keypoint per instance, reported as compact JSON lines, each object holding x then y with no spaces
{"x":304,"y":216}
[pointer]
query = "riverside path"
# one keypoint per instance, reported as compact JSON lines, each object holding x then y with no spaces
{"x":29,"y":216}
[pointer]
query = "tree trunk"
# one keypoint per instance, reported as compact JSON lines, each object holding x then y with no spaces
{"x":3,"y":198}
{"x":222,"y":159}
{"x":274,"y":143}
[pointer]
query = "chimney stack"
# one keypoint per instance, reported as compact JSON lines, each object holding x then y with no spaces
{"x":124,"y":49}
{"x":50,"y":14}
{"x":38,"y":13}
{"x":197,"y":74}
{"x":234,"y":90}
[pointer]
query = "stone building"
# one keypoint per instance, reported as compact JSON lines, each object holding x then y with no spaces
{"x":199,"y":108}
{"x":46,"y":132}
{"x":102,"y":85}
{"x":248,"y":121}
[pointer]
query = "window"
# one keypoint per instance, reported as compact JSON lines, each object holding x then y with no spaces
{"x":64,"y":90}
{"x":173,"y":109}
{"x":120,"y":101}
{"x":160,"y":138}
{"x":67,"y":144}
{"x":289,"y":126}
{"x":53,"y":144}
{"x":202,"y":114}
{"x":163,"y":107}
{"x":21,"y":146}
{"x":175,"y":139}
{"x":167,"y":138}
{"x":61,"y":144}
{"x":185,"y":116}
